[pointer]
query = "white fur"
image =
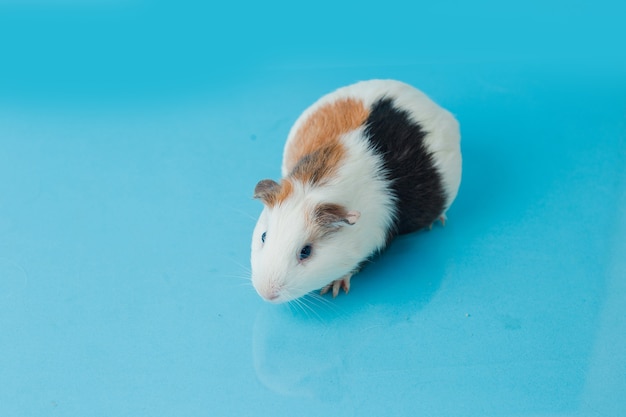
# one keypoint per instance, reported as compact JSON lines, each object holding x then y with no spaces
{"x":358,"y":185}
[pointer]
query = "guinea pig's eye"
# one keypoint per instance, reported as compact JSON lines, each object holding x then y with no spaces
{"x":305,"y":252}
{"x":263,"y":237}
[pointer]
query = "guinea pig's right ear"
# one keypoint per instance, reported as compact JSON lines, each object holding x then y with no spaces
{"x":332,"y":216}
{"x":266,"y":191}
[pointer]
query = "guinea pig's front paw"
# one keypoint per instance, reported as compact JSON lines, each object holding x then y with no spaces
{"x":343,"y":282}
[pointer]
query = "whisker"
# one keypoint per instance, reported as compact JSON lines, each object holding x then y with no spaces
{"x":302,"y":302}
{"x":241,"y":212}
{"x":297,"y":306}
{"x":244,"y":277}
{"x":296,"y":302}
{"x":320,"y":301}
{"x":245,"y":268}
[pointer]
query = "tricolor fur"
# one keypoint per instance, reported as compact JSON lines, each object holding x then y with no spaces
{"x":360,"y":166}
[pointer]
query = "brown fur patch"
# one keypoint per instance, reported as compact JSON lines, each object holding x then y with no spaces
{"x":286,"y":188}
{"x":315,"y":151}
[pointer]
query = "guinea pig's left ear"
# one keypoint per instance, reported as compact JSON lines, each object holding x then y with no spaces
{"x":331,"y":215}
{"x":266,"y":191}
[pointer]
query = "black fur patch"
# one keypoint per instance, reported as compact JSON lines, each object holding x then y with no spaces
{"x":408,"y":166}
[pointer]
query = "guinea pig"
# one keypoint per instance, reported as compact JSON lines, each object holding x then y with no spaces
{"x":362,"y":165}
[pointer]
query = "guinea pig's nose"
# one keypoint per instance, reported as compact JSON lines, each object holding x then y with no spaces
{"x":270,"y":293}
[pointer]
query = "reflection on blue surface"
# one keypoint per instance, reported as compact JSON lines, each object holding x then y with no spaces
{"x":132,"y":135}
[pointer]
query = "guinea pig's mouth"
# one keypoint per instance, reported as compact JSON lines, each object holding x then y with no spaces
{"x":278,"y":296}
{"x":276,"y":292}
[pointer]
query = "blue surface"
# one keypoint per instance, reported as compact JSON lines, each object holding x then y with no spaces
{"x":131,"y":138}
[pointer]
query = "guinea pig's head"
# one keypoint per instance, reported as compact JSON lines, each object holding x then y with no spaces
{"x":300,"y":243}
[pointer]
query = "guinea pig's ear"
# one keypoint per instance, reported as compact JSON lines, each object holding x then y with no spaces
{"x":333,"y":216}
{"x":266,"y":191}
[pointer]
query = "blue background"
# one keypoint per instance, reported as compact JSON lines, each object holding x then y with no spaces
{"x":132,"y":134}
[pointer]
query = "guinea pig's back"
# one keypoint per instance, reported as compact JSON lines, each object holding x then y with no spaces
{"x":440,"y":135}
{"x":417,"y":140}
